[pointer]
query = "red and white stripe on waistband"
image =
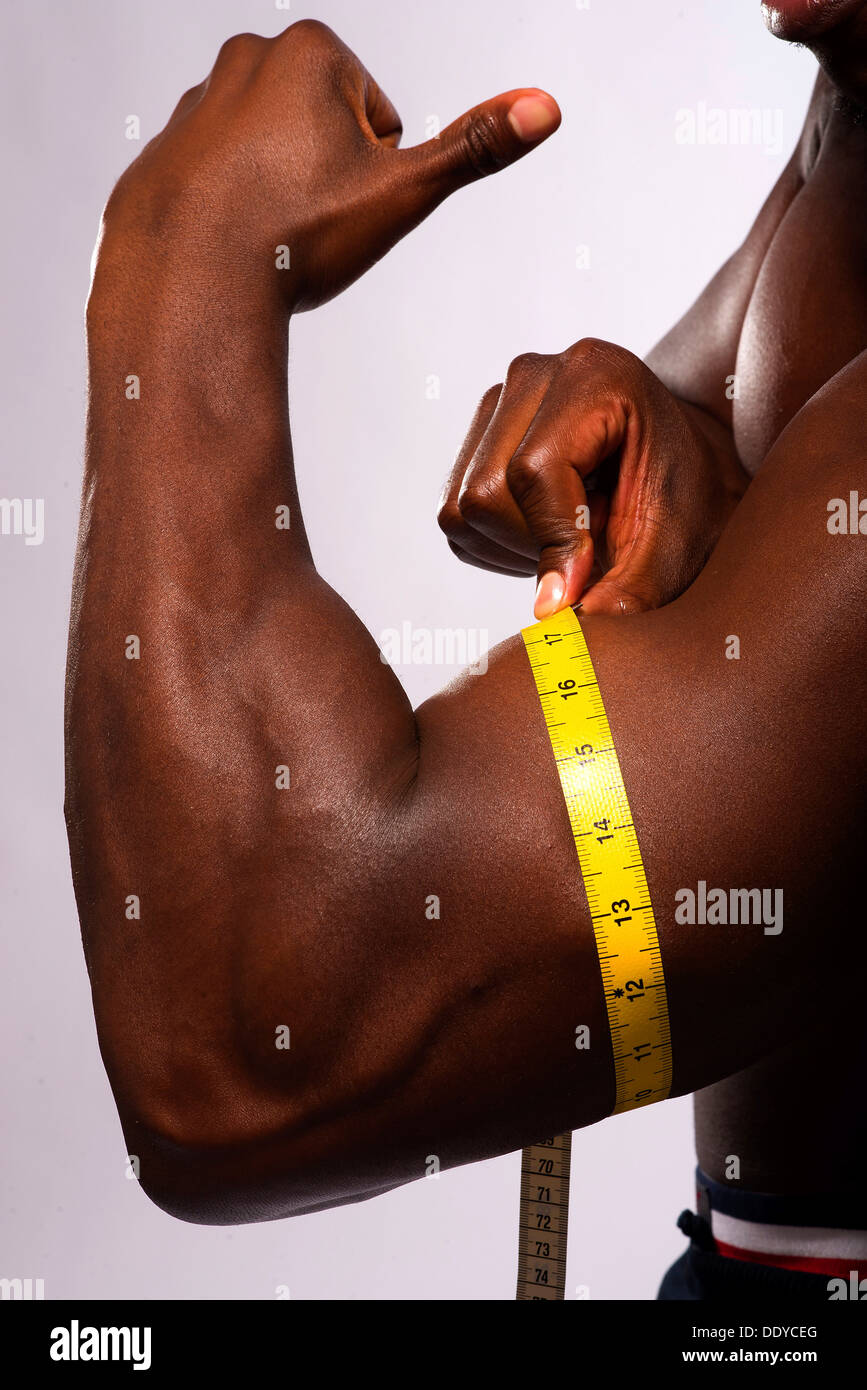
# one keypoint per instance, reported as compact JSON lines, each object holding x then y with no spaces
{"x":813,"y":1249}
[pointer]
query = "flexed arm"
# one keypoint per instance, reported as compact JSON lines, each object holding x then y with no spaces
{"x":258,"y":819}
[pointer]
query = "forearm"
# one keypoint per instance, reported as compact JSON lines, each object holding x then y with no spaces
{"x":230,"y":772}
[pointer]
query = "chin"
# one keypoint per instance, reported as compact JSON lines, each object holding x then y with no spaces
{"x":835,"y":30}
{"x":804,"y":21}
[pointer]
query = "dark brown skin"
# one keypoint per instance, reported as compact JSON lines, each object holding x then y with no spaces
{"x":666,"y":473}
{"x":305,"y":907}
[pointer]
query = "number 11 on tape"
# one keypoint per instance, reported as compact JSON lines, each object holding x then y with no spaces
{"x":623,"y":925}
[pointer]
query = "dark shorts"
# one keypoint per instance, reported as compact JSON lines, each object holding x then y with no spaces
{"x":759,"y":1245}
{"x":703,"y":1275}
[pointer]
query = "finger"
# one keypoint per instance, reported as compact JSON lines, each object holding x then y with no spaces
{"x":481,"y":142}
{"x":461,"y":508}
{"x":483,"y":562}
{"x":474,"y":545}
{"x":485,"y":499}
{"x":190,"y":99}
{"x":559,"y":514}
{"x":448,"y":508}
{"x":545,"y":477}
{"x":464,"y":540}
{"x":561,"y":448}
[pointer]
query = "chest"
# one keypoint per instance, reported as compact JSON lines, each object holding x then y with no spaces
{"x":807,"y":316}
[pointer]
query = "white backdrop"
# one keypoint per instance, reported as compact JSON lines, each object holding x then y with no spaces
{"x":493,"y":273}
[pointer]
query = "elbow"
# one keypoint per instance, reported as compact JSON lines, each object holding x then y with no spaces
{"x":227,"y":1123}
{"x":241,"y":1185}
{"x":232,"y":1181}
{"x":221,"y":1127}
{"x":217,"y":1154}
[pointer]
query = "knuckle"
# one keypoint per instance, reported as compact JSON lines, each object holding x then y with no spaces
{"x":523,"y":473}
{"x":449,"y":518}
{"x":598,"y":352}
{"x":239,"y":46}
{"x":474,"y":503}
{"x":485,"y":146}
{"x":589,"y":346}
{"x":585,"y":350}
{"x":191,"y":97}
{"x":238,"y":56}
{"x":557,"y":535}
{"x":526,"y":364}
{"x":311,"y":32}
{"x":491,"y":397}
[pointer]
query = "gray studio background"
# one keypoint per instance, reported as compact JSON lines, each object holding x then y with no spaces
{"x":495,"y":272}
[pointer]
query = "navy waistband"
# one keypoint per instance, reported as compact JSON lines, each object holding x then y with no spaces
{"x":841,"y":1211}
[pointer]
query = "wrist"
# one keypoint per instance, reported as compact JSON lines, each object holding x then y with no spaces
{"x":185,"y":284}
{"x":207,"y":342}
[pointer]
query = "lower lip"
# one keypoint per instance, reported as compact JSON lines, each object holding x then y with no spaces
{"x":806,"y":18}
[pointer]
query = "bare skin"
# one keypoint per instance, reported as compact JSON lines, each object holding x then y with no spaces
{"x":305,"y":907}
{"x":785,"y":314}
{"x":797,"y":1118}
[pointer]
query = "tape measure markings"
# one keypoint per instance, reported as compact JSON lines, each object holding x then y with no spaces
{"x":596,"y":800}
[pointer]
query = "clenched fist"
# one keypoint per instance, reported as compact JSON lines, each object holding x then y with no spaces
{"x":583,"y":469}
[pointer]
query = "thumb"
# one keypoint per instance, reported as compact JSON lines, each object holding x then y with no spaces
{"x":484,"y":140}
{"x":633,"y":585}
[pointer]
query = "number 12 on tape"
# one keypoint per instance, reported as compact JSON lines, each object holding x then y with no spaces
{"x":623,"y":925}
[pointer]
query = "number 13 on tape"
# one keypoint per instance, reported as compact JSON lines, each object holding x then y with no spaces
{"x":623,"y":925}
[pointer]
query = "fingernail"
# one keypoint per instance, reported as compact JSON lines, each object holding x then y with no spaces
{"x":533,"y":117}
{"x":549,"y":595}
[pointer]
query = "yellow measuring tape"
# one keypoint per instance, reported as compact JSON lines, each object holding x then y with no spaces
{"x":623,"y":924}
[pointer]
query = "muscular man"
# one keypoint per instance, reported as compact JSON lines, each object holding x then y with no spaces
{"x":270,"y":900}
